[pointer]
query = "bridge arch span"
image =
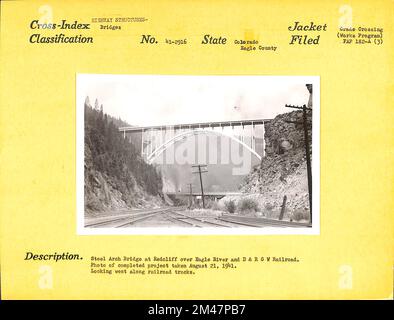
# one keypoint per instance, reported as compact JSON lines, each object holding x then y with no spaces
{"x":160,"y":149}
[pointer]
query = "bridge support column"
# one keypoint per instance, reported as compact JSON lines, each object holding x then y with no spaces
{"x":142,"y":143}
{"x":253,"y":138}
{"x":153,"y":140}
{"x":150,"y":141}
{"x":161,"y":137}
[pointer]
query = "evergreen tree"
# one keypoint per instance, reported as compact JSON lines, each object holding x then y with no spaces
{"x":114,"y":157}
{"x":87,"y":102}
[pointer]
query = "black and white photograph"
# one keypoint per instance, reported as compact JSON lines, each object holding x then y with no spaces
{"x":160,"y":154}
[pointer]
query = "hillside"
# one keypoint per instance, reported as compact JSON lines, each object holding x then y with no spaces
{"x":283,"y":170}
{"x":116,"y":177}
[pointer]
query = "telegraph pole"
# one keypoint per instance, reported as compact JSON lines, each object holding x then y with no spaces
{"x":304,"y":109}
{"x":308,"y":157}
{"x":191,"y":194}
{"x":199,"y":166}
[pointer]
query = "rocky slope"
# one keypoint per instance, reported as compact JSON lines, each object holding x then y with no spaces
{"x":283,"y":170}
{"x":116,"y":177}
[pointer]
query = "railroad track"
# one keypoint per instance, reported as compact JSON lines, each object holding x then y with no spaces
{"x":261,"y":222}
{"x":175,"y":216}
{"x":125,"y":219}
{"x":210,"y":222}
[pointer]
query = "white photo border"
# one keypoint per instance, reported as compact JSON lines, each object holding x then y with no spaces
{"x":314,"y":230}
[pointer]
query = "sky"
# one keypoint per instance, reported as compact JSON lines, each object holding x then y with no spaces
{"x":144,"y":100}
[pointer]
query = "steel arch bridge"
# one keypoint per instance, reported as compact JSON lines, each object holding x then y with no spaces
{"x":156,"y":139}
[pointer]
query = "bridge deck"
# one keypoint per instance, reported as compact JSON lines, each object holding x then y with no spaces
{"x":197,"y":125}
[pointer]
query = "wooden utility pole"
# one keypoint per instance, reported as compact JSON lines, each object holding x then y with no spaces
{"x":191,"y":194}
{"x":199,"y":166}
{"x":283,"y":209}
{"x":308,"y":158}
{"x":304,"y":109}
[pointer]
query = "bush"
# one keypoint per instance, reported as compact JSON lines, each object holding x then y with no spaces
{"x":216,"y":206}
{"x":93,"y":204}
{"x":247,"y":205}
{"x":230,"y":206}
{"x":300,"y":215}
{"x":269,"y":206}
{"x":181,"y":202}
{"x":211,"y":204}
